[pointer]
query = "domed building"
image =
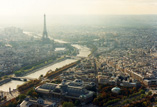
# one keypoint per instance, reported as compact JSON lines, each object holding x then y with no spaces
{"x":115,"y":90}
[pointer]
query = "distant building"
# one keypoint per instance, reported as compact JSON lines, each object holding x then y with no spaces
{"x":13,"y":31}
{"x":65,"y":91}
{"x":150,"y":82}
{"x":128,"y":84}
{"x":36,"y":103}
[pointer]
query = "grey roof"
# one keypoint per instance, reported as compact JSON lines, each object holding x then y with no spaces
{"x":76,"y":91}
{"x":73,"y":91}
{"x":49,"y":86}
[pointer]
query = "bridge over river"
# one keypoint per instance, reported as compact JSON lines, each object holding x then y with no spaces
{"x":75,"y":57}
{"x":22,"y":78}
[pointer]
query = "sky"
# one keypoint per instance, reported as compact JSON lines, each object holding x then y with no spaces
{"x":76,"y":7}
{"x":29,"y":12}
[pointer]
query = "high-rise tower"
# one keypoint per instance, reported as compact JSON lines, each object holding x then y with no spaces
{"x":45,"y":36}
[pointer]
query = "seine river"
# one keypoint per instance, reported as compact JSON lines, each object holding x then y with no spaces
{"x":83,"y":52}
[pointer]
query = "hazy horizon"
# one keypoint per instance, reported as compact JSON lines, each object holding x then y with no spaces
{"x":24,"y":12}
{"x":71,"y":19}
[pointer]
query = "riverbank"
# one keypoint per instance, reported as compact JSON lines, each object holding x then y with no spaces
{"x":57,"y":72}
{"x":5,"y":81}
{"x":42,"y":67}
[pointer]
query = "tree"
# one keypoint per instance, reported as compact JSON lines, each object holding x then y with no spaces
{"x":142,"y":91}
{"x":68,"y":104}
{"x":11,"y":105}
{"x":5,"y":76}
{"x":145,"y":104}
{"x":77,"y":102}
{"x":142,"y":95}
{"x":32,"y":93}
{"x":22,"y":96}
{"x":149,"y":93}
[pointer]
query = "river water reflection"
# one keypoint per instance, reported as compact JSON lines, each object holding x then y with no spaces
{"x":50,"y":67}
{"x":12,"y":84}
{"x":83,"y":52}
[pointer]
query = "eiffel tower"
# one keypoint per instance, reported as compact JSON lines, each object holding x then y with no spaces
{"x":45,"y":35}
